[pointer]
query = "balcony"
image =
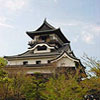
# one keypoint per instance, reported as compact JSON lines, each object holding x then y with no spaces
{"x":52,"y":42}
{"x":55,"y":42}
{"x":31,"y":43}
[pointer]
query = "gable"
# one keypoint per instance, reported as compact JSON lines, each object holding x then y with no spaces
{"x":64,"y":54}
{"x":65,"y":62}
{"x":41,"y":48}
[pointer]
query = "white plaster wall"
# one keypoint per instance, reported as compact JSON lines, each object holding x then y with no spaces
{"x":30,"y":61}
{"x":35,"y":38}
{"x":16,"y":62}
{"x":41,"y":51}
{"x":65,"y":62}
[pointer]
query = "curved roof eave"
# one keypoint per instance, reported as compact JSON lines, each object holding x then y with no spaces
{"x":62,"y":35}
{"x":54,"y":31}
{"x":16,"y":55}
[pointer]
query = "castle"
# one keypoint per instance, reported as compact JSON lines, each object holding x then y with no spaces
{"x":48,"y":53}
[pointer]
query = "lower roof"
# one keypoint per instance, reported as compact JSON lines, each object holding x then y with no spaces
{"x":55,"y":54}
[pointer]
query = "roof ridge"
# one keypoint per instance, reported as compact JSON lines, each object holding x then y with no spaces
{"x":45,"y":23}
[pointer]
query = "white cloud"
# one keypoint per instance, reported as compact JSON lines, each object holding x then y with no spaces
{"x":96,"y":29}
{"x":55,"y":0}
{"x":87,"y":37}
{"x":90,"y":32}
{"x":15,"y":4}
{"x":64,"y":24}
{"x":69,"y":24}
{"x":10,"y":6}
{"x":3,"y":19}
{"x":6,"y":25}
{"x":85,"y":32}
{"x":3,"y":23}
{"x":75,"y":39}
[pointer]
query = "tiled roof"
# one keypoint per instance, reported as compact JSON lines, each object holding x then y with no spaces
{"x":45,"y":26}
{"x":30,"y":53}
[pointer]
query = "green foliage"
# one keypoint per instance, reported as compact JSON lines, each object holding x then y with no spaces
{"x":34,"y":88}
{"x":3,"y":62}
{"x":93,"y":82}
{"x":17,"y":86}
{"x":4,"y":81}
{"x":64,"y":89}
{"x":3,"y":74}
{"x":61,"y":87}
{"x":93,"y":65}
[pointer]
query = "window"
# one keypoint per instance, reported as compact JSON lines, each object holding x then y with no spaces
{"x":48,"y":61}
{"x":38,"y":62}
{"x":52,"y":50}
{"x":43,"y":38}
{"x":25,"y":62}
{"x":51,"y":37}
{"x":41,"y":48}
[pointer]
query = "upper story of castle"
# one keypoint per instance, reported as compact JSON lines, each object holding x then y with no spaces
{"x":47,"y":34}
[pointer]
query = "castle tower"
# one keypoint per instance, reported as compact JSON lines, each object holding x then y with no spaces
{"x":49,"y":52}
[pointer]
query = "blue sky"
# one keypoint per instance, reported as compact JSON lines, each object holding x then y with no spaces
{"x":79,"y":20}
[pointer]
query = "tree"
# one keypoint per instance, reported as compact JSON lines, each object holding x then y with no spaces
{"x":17,"y":86}
{"x":35,"y":87}
{"x":10,"y":87}
{"x":92,"y":83}
{"x":64,"y":89}
{"x":4,"y":81}
{"x":93,"y":65}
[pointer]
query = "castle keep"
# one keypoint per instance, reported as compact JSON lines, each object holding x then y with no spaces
{"x":49,"y":52}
